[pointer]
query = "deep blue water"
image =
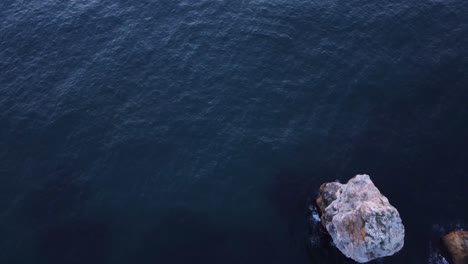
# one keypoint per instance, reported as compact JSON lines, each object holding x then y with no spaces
{"x":178,"y":131}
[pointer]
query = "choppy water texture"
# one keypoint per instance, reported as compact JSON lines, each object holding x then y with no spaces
{"x":176,"y":131}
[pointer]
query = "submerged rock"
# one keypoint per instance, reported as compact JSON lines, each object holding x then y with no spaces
{"x":360,"y":220}
{"x":456,"y":244}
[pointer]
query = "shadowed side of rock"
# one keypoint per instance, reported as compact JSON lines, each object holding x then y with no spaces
{"x":327,"y":194}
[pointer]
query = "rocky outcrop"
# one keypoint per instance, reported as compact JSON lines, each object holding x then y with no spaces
{"x":360,"y":220}
{"x":456,"y":244}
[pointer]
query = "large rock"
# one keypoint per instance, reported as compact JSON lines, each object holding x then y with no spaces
{"x":456,"y":244}
{"x":360,"y":220}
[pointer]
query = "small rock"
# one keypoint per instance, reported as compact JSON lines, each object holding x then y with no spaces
{"x":456,"y":244}
{"x":360,"y":220}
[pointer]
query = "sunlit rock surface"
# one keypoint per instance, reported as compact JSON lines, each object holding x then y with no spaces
{"x":360,"y":220}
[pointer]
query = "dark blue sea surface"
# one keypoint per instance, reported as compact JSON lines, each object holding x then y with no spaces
{"x":183,"y":131}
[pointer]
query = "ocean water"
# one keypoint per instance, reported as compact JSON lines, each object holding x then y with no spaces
{"x":184,"y":131}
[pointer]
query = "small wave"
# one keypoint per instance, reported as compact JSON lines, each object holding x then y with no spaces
{"x":315,"y":225}
{"x":436,"y":258}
